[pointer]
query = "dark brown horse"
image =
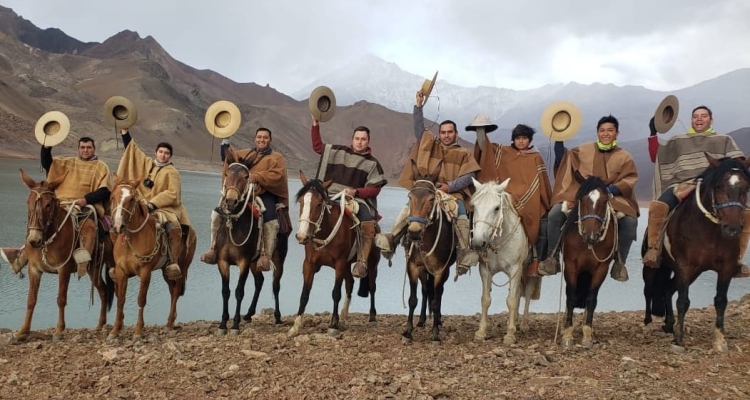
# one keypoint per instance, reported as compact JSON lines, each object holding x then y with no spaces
{"x":140,"y":246}
{"x":430,"y":250}
{"x":589,"y":244}
{"x":51,"y":239}
{"x":237,"y":243}
{"x":329,"y":239}
{"x":703,"y":234}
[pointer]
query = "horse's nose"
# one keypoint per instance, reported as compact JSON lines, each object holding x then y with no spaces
{"x":731,"y":230}
{"x":591,"y":238}
{"x":34,"y":238}
{"x":301,"y":237}
{"x":477,"y":242}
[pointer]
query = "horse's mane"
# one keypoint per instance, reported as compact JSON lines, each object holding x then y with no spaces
{"x":712,"y":176}
{"x":589,"y":185}
{"x":488,"y":192}
{"x":312,"y":184}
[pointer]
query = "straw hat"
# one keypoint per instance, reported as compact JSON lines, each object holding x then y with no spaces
{"x":481,"y":120}
{"x":561,"y":121}
{"x":52,"y":128}
{"x":666,"y":114}
{"x":222,"y":119}
{"x":427,"y":86}
{"x":322,"y":103}
{"x":120,"y":112}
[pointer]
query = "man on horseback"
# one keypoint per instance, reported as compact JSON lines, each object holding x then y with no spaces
{"x":457,"y":169}
{"x":161,"y":190}
{"x":609,"y":162}
{"x":678,"y":162}
{"x":268,"y":170}
{"x":86,"y":187}
{"x":529,"y":183}
{"x":356,"y":171}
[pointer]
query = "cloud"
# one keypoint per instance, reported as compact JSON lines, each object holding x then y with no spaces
{"x":661,"y":45}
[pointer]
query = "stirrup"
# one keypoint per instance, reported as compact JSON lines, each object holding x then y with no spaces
{"x":619,"y":272}
{"x":209,"y":257}
{"x":264,"y":263}
{"x":550,"y":266}
{"x":743,"y":271}
{"x":359,"y":270}
{"x":173,"y":272}
{"x":651,"y":258}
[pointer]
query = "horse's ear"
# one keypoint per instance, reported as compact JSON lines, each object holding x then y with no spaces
{"x":436,"y":172}
{"x":579,"y":178}
{"x":477,"y":185}
{"x":116,"y":179}
{"x":503,"y":185}
{"x":27,"y":179}
{"x":54,"y":184}
{"x":134,"y":182}
{"x":327,"y":184}
{"x":302,"y":178}
{"x":714,"y":162}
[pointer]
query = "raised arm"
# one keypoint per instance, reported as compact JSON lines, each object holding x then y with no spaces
{"x":653,"y":141}
{"x":418,"y":116}
{"x":317,"y":141}
{"x":46,"y":158}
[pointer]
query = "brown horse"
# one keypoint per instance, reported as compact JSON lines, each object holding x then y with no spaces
{"x":703,"y":234}
{"x":429,"y":245}
{"x":237,"y":244}
{"x":140,"y":246}
{"x":589,"y":243}
{"x":50,"y":241}
{"x":330,"y":239}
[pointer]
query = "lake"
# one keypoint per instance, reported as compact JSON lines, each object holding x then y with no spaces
{"x":202,"y":300}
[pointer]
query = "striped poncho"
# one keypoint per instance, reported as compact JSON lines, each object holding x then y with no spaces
{"x":348,"y":169}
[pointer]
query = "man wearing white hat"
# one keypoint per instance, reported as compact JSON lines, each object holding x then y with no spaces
{"x":678,"y":162}
{"x":86,"y":186}
{"x":529,"y":183}
{"x":602,"y":158}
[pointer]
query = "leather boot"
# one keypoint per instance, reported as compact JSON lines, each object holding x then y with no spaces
{"x":744,"y":271}
{"x":533,"y":268}
{"x":368,"y":237}
{"x":270,"y":236}
{"x":657,"y":216}
{"x":175,"y":245}
{"x":210,"y":256}
{"x":467,"y":257}
{"x":87,"y":242}
{"x":15,"y":257}
{"x":388,"y":242}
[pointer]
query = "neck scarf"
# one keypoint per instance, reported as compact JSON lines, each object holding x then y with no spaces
{"x":709,"y":131}
{"x":606,"y":147}
{"x":265,"y":152}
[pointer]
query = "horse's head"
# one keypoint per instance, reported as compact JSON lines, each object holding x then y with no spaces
{"x":727,"y":181}
{"x":593,"y":208}
{"x":125,"y":202}
{"x":42,"y":204}
{"x":423,"y":201}
{"x":490,"y":201}
{"x":236,"y":181}
{"x":312,"y":200}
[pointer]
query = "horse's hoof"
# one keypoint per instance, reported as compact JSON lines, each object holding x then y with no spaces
{"x":480,"y":337}
{"x":436,"y":342}
{"x":57,"y":337}
{"x":18,"y":339}
{"x":509,"y":339}
{"x":721,"y":348}
{"x":373,"y":324}
{"x":587,"y":345}
{"x":221,"y":332}
{"x":567,"y":343}
{"x":247,"y":318}
{"x":676,"y":348}
{"x":112,"y":338}
{"x":524,"y":328}
{"x":234,"y":332}
{"x":292,"y":333}
{"x":334,"y":332}
{"x":137,"y":338}
{"x":406,"y":340}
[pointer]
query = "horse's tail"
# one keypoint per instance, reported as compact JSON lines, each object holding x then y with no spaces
{"x":109,"y":289}
{"x":282,"y":245}
{"x":533,"y":283}
{"x":364,"y":287}
{"x":660,"y":293}
{"x":582,"y":289}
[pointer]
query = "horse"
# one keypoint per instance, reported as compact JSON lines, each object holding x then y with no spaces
{"x":51,"y":239}
{"x":503,"y":246}
{"x":140,"y":246}
{"x":589,"y":244}
{"x":237,"y":243}
{"x":702,"y":234}
{"x":321,"y":216}
{"x":430,"y":250}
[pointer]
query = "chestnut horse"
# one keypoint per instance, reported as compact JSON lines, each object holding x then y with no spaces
{"x":703,"y":234}
{"x":329,"y":238}
{"x":237,"y":243}
{"x":589,"y":244}
{"x":51,"y":239}
{"x":140,"y":246}
{"x":430,"y":250}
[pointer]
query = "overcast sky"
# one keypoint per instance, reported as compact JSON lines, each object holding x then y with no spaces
{"x":659,"y":44}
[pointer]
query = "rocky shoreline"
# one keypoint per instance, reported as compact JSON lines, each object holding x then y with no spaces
{"x":627,"y":361}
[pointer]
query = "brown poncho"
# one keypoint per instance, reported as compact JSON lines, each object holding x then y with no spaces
{"x":83,"y":178}
{"x":269,"y":170}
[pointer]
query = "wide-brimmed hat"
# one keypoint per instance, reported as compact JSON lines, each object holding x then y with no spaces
{"x":222,"y":119}
{"x":120,"y":112}
{"x":52,"y":128}
{"x":561,"y":121}
{"x":322,"y":103}
{"x":427,"y":87}
{"x":481,"y":120}
{"x":666,"y":114}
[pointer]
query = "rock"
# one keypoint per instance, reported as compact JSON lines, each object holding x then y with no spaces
{"x":255,"y":354}
{"x":234,"y":367}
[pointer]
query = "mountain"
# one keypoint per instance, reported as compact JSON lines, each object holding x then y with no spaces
{"x":373,"y":79}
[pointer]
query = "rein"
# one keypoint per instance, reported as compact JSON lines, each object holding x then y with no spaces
{"x":434,"y":213}
{"x":246,"y":194}
{"x":497,"y":226}
{"x":713,"y":216}
{"x":604,"y":222}
{"x":148,"y":217}
{"x":38,"y":212}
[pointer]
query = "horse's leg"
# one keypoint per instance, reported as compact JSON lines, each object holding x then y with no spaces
{"x":63,"y":276}
{"x":436,"y":305}
{"x":484,"y":272}
{"x":413,"y":278}
{"x":668,"y":294}
{"x":121,"y":288}
{"x":35,"y":277}
{"x":372,"y":276}
{"x":425,"y":301}
{"x":239,"y":294}
{"x":259,"y":279}
{"x":308,"y":274}
{"x":648,"y":292}
{"x":682,"y":283}
{"x":95,"y":275}
{"x":591,"y":301}
{"x":175,"y":289}
{"x":349,"y":286}
{"x":720,"y":304}
{"x":570,"y":303}
{"x":225,"y":293}
{"x":512,"y":301}
{"x":339,"y":267}
{"x":529,"y":287}
{"x":145,"y":278}
{"x":276,"y":288}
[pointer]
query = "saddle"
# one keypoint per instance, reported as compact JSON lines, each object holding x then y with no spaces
{"x":683,"y":190}
{"x":448,"y":204}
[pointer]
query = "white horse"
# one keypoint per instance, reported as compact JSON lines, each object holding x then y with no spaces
{"x":503,"y":246}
